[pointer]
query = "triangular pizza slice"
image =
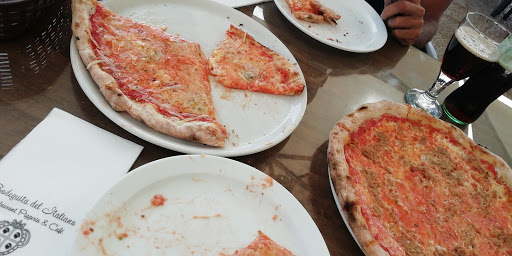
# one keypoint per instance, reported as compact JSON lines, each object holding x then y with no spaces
{"x":240,"y":62}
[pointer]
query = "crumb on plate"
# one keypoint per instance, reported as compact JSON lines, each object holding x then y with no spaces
{"x":158,"y":200}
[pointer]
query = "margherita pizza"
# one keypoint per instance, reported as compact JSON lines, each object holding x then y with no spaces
{"x":263,"y":246}
{"x":159,"y":79}
{"x":410,"y":184}
{"x":240,"y":62}
{"x":312,"y":11}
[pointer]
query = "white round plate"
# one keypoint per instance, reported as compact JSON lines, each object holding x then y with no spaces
{"x":254,"y":121}
{"x":214,"y":205}
{"x":360,"y":28}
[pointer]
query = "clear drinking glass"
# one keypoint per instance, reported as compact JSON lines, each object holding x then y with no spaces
{"x":473,"y":47}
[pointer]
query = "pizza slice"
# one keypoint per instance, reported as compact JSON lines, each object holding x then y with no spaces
{"x":240,"y":62}
{"x":263,"y":246}
{"x":312,"y":11}
{"x":158,"y":78}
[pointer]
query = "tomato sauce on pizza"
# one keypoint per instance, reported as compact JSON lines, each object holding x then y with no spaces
{"x":263,"y":246}
{"x":153,"y":67}
{"x":312,"y":11}
{"x":421,"y":190}
{"x":158,"y":78}
{"x":240,"y":62}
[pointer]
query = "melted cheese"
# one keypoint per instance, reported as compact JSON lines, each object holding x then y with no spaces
{"x":424,"y":193}
{"x":153,"y":67}
{"x":242,"y":63}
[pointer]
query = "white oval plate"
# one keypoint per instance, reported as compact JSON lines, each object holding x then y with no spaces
{"x":360,"y":28}
{"x":214,"y":205}
{"x":254,"y":121}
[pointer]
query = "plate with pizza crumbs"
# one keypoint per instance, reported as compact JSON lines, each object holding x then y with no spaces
{"x":195,"y":205}
{"x":360,"y":28}
{"x":253,"y":121}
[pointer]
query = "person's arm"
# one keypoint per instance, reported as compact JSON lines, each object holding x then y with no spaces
{"x":414,"y":21}
{"x":434,"y":9}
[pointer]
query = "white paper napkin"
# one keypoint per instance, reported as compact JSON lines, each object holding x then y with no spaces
{"x":52,"y":177}
{"x":240,"y":3}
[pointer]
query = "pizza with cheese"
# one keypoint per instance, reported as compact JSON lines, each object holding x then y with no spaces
{"x":158,"y":78}
{"x":411,"y":184}
{"x":240,"y":62}
{"x":312,"y":11}
{"x":263,"y":246}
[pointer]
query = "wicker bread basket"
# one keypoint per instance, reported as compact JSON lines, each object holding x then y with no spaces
{"x":16,"y":16}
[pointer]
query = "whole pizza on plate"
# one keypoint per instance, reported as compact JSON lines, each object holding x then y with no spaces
{"x":410,"y":184}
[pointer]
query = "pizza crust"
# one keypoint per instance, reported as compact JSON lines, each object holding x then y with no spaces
{"x":202,"y":132}
{"x":208,"y":133}
{"x":330,"y":16}
{"x":82,"y":10}
{"x":502,"y":169}
{"x":365,"y":112}
{"x":340,"y":178}
{"x":339,"y":169}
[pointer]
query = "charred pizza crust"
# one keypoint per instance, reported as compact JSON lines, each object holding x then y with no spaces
{"x":339,"y":169}
{"x":340,"y":137}
{"x":210,"y":133}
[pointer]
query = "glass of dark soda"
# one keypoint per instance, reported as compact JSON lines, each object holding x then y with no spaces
{"x":473,"y":47}
{"x":468,"y":102}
